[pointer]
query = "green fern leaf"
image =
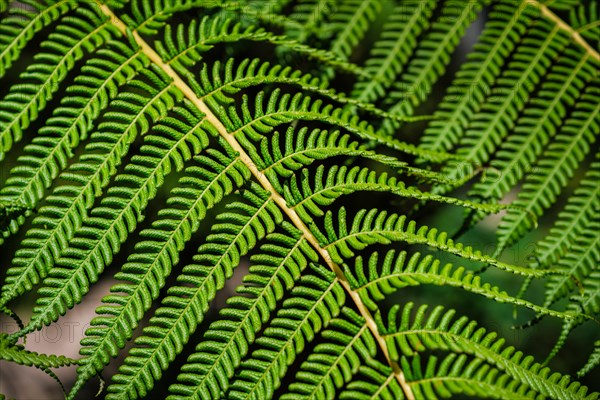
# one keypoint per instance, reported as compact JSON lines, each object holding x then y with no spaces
{"x":583,"y":258}
{"x":78,"y":34}
{"x":558,"y":163}
{"x":66,"y":209}
{"x":581,"y":207}
{"x":318,"y":152}
{"x":473,"y":82}
{"x":456,"y":374}
{"x":593,"y":362}
{"x":490,"y":126}
{"x":380,"y":227}
{"x":108,"y":228}
{"x":338,"y":181}
{"x":49,"y":152}
{"x":401,"y":271}
{"x":373,"y":381}
{"x":22,"y":23}
{"x":440,"y":331}
{"x":538,"y":124}
{"x":17,"y":354}
{"x":390,"y":54}
{"x":183,"y":48}
{"x":586,"y":300}
{"x":351,"y":20}
{"x":273,"y":273}
{"x":314,"y":302}
{"x":584,"y":19}
{"x":431,"y":56}
{"x":348,"y":344}
{"x":148,"y":18}
{"x":147,"y":268}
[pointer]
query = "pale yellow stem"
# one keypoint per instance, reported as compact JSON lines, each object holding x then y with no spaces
{"x":262,"y":179}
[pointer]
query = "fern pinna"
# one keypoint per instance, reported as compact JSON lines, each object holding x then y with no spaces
{"x":303,"y":199}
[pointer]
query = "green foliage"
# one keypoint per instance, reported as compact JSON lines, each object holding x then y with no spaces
{"x":337,"y":161}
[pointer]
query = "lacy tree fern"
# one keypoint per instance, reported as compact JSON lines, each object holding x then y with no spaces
{"x":335,"y":154}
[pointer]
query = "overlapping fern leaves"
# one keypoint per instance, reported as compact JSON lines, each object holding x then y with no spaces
{"x":286,"y":143}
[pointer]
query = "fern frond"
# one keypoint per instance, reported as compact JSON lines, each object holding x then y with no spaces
{"x":374,"y":281}
{"x":108,"y":228}
{"x":24,"y":20}
{"x":459,"y":375}
{"x":585,"y":19}
{"x":313,"y":303}
{"x":154,"y":257}
{"x":19,"y":355}
{"x":308,"y":198}
{"x":51,"y":148}
{"x":453,"y":376}
{"x":183,"y":48}
{"x":374,"y":380}
{"x":347,"y":343}
{"x":583,"y":258}
{"x":532,"y":59}
{"x":282,"y":109}
{"x":556,"y":166}
{"x":479,"y":73}
{"x":581,"y":207}
{"x":148,"y":17}
{"x":349,"y":24}
{"x":391,"y":51}
{"x":10,"y":351}
{"x":274,"y":271}
{"x":245,"y":230}
{"x":76,"y":34}
{"x":224,"y":81}
{"x":592,"y":362}
{"x":538,"y":123}
{"x":301,"y":148}
{"x":109,"y":225}
{"x":375,"y":226}
{"x":250,"y":129}
{"x":586,"y":300}
{"x":431,"y":56}
{"x":66,"y":209}
{"x":440,"y":330}
{"x":219,"y":87}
